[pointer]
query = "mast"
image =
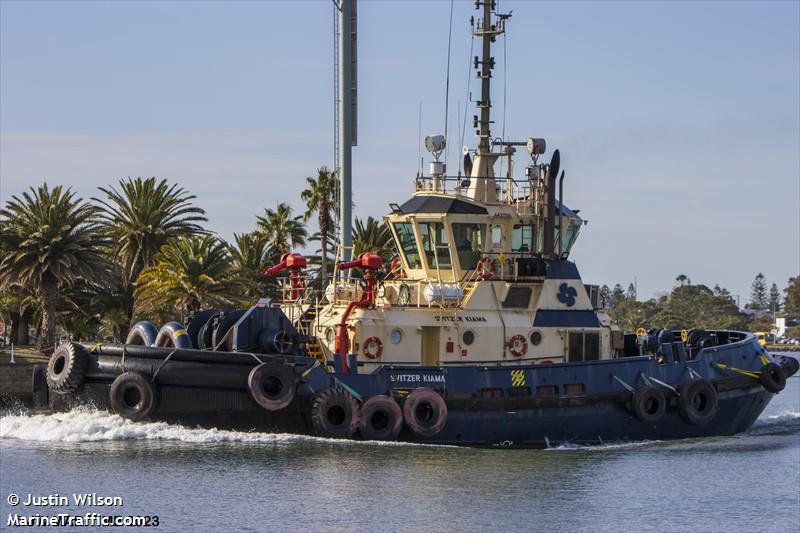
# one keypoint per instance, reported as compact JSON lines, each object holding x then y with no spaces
{"x":347,"y":118}
{"x":482,"y":185}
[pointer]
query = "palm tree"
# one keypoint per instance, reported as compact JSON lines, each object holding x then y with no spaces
{"x":250,"y":255}
{"x":190,"y":273}
{"x":280,"y":230}
{"x":51,"y":240}
{"x":140,"y":218}
{"x":321,"y":198}
{"x":372,"y":236}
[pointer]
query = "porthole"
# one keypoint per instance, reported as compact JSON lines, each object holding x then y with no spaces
{"x":468,"y":337}
{"x":536,"y":338}
{"x":330,"y":335}
{"x":396,"y":336}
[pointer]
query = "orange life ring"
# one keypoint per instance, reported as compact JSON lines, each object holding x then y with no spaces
{"x":518,"y":345}
{"x":486,"y":267}
{"x":373,"y":348}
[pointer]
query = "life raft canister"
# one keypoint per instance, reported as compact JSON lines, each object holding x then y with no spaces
{"x":133,"y":396}
{"x":381,"y":419}
{"x":66,"y":369}
{"x":486,"y":267}
{"x":272,"y":385}
{"x":697,"y":402}
{"x":334,"y":413}
{"x":425,"y":412}
{"x":373,"y":348}
{"x":518,"y":345}
{"x":772,"y":378}
{"x":648,"y":404}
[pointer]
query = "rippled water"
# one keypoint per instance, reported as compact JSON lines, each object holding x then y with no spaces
{"x":208,"y":480}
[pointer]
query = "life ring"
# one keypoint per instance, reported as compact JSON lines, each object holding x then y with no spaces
{"x":648,"y":404}
{"x":772,"y":378}
{"x":173,"y":335}
{"x":425,"y":412}
{"x":697,"y":402}
{"x":518,"y":345}
{"x":334,"y":413}
{"x":373,"y":348}
{"x":271,"y":385}
{"x":640,"y":331}
{"x":143,"y":333}
{"x":66,"y":369}
{"x":486,"y":267}
{"x":133,"y":396}
{"x":381,"y":419}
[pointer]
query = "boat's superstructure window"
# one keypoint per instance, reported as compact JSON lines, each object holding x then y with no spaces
{"x":469,"y":240}
{"x":583,"y":346}
{"x":435,"y":244}
{"x":522,"y":238}
{"x":407,"y":243}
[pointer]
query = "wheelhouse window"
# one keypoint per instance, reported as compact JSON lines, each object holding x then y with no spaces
{"x":469,"y":240}
{"x":407,"y":243}
{"x":522,"y":238}
{"x":435,"y":244}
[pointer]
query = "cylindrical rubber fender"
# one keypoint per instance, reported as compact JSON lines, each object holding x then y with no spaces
{"x":133,"y":396}
{"x":66,"y":370}
{"x":222,"y":328}
{"x":772,"y":378}
{"x":272,"y":385}
{"x":174,"y":373}
{"x":143,"y":333}
{"x":275,"y":341}
{"x":425,"y":412}
{"x":195,"y":356}
{"x":790,"y":365}
{"x":648,"y":404}
{"x":381,"y":419}
{"x":334,"y":413}
{"x":697,"y":402}
{"x":173,"y":335}
{"x":196,"y":322}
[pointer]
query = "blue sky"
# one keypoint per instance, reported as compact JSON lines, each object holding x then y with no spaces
{"x":678,"y":122}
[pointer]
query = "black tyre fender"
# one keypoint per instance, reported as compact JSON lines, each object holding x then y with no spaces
{"x":425,"y":412}
{"x":133,"y":396}
{"x":143,"y":333}
{"x":334,"y":413}
{"x":66,"y":369}
{"x":173,"y":335}
{"x":790,"y":365}
{"x":648,"y":404}
{"x":41,"y":392}
{"x":196,"y":322}
{"x":272,"y":385}
{"x":697,"y":402}
{"x":381,"y":419}
{"x":772,"y":378}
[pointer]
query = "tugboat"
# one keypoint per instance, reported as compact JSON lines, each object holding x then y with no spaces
{"x":479,"y":332}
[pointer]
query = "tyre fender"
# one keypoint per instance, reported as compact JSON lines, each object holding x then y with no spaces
{"x":133,"y":396}
{"x":381,"y":418}
{"x":697,"y":402}
{"x":66,"y":369}
{"x":272,"y":385}
{"x":772,"y":378}
{"x":648,"y":404}
{"x":334,"y":413}
{"x":425,"y":412}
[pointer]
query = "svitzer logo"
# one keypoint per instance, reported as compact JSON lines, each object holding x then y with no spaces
{"x":567,"y":294}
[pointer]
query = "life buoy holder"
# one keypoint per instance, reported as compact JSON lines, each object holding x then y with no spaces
{"x":518,"y":345}
{"x":486,"y":267}
{"x":373,"y":348}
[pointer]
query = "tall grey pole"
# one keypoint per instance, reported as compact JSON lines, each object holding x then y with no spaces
{"x":345,"y":127}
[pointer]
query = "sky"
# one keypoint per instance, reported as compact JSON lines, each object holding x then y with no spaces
{"x":678,"y":123}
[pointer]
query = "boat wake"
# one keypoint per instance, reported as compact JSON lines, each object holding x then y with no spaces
{"x":89,"y":425}
{"x":783,"y":423}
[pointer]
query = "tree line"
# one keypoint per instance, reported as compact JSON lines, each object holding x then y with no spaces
{"x":139,"y":250}
{"x":690,"y":305}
